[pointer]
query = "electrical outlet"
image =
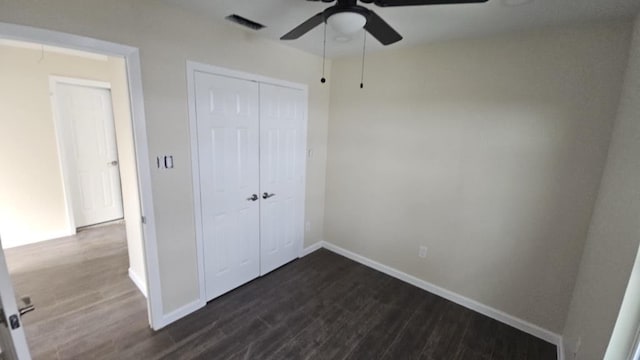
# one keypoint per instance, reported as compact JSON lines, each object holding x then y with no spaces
{"x":423,"y":252}
{"x":307,"y":226}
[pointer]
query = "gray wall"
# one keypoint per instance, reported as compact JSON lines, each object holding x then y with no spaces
{"x":612,"y":244}
{"x":489,"y":152}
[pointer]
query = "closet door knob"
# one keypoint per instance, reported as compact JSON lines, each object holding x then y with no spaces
{"x":253,"y":197}
{"x":267,"y":195}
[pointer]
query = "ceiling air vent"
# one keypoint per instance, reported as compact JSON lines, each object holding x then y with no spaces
{"x":244,"y":22}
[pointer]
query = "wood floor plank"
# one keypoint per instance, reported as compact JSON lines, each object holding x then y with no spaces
{"x":190,"y":347}
{"x":414,"y":337}
{"x":477,"y":340}
{"x":394,"y":321}
{"x":349,"y":333}
{"x":267,"y":344}
{"x":314,"y":335}
{"x":232,"y":343}
{"x":446,"y":340}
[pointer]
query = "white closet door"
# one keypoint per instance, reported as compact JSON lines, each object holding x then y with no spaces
{"x":282,"y":114}
{"x":228,"y":134}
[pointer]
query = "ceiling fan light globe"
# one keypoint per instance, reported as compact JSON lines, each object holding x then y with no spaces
{"x":347,"y":23}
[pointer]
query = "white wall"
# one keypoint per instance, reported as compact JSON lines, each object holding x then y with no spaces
{"x":612,"y":245}
{"x":167,"y":37}
{"x":32,"y":204}
{"x":488,"y":151}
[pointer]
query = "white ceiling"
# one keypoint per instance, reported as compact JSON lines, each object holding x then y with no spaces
{"x":417,"y":24}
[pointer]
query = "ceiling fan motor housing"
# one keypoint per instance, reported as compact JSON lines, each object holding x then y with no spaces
{"x":336,"y":9}
{"x":346,"y":20}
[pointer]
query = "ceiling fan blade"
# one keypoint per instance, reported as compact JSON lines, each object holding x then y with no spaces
{"x":305,"y":27}
{"x":380,"y":30}
{"x":388,"y":3}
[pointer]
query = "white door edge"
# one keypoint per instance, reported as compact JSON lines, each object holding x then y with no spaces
{"x":14,"y":338}
{"x":193,"y":67}
{"x":157,"y":318}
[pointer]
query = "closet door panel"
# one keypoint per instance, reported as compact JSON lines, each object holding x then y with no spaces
{"x":227,"y":114}
{"x":282,"y":115}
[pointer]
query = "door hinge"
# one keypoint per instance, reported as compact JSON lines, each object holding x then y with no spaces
{"x":143,"y":219}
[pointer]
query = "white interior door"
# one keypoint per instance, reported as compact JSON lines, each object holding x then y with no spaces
{"x":13,"y":344}
{"x":228,"y":134}
{"x":90,"y":152}
{"x":282,"y":151}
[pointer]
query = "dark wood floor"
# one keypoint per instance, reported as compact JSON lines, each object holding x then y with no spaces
{"x":323,"y":306}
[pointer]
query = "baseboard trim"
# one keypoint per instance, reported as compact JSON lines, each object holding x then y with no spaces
{"x":181,"y":312}
{"x":311,"y":248}
{"x":495,"y":314}
{"x":560,"y":345}
{"x":141,"y":285}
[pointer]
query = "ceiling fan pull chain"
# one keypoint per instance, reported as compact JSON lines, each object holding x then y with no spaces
{"x":364,"y":47}
{"x":324,"y":52}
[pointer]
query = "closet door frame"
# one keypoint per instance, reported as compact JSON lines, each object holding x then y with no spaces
{"x":192,"y":68}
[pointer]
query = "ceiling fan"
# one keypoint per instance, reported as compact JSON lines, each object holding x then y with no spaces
{"x":347,"y":17}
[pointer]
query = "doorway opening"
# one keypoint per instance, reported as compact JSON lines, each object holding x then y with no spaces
{"x":74,"y":102}
{"x":67,"y":122}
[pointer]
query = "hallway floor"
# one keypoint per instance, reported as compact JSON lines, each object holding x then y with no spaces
{"x":85,"y":302}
